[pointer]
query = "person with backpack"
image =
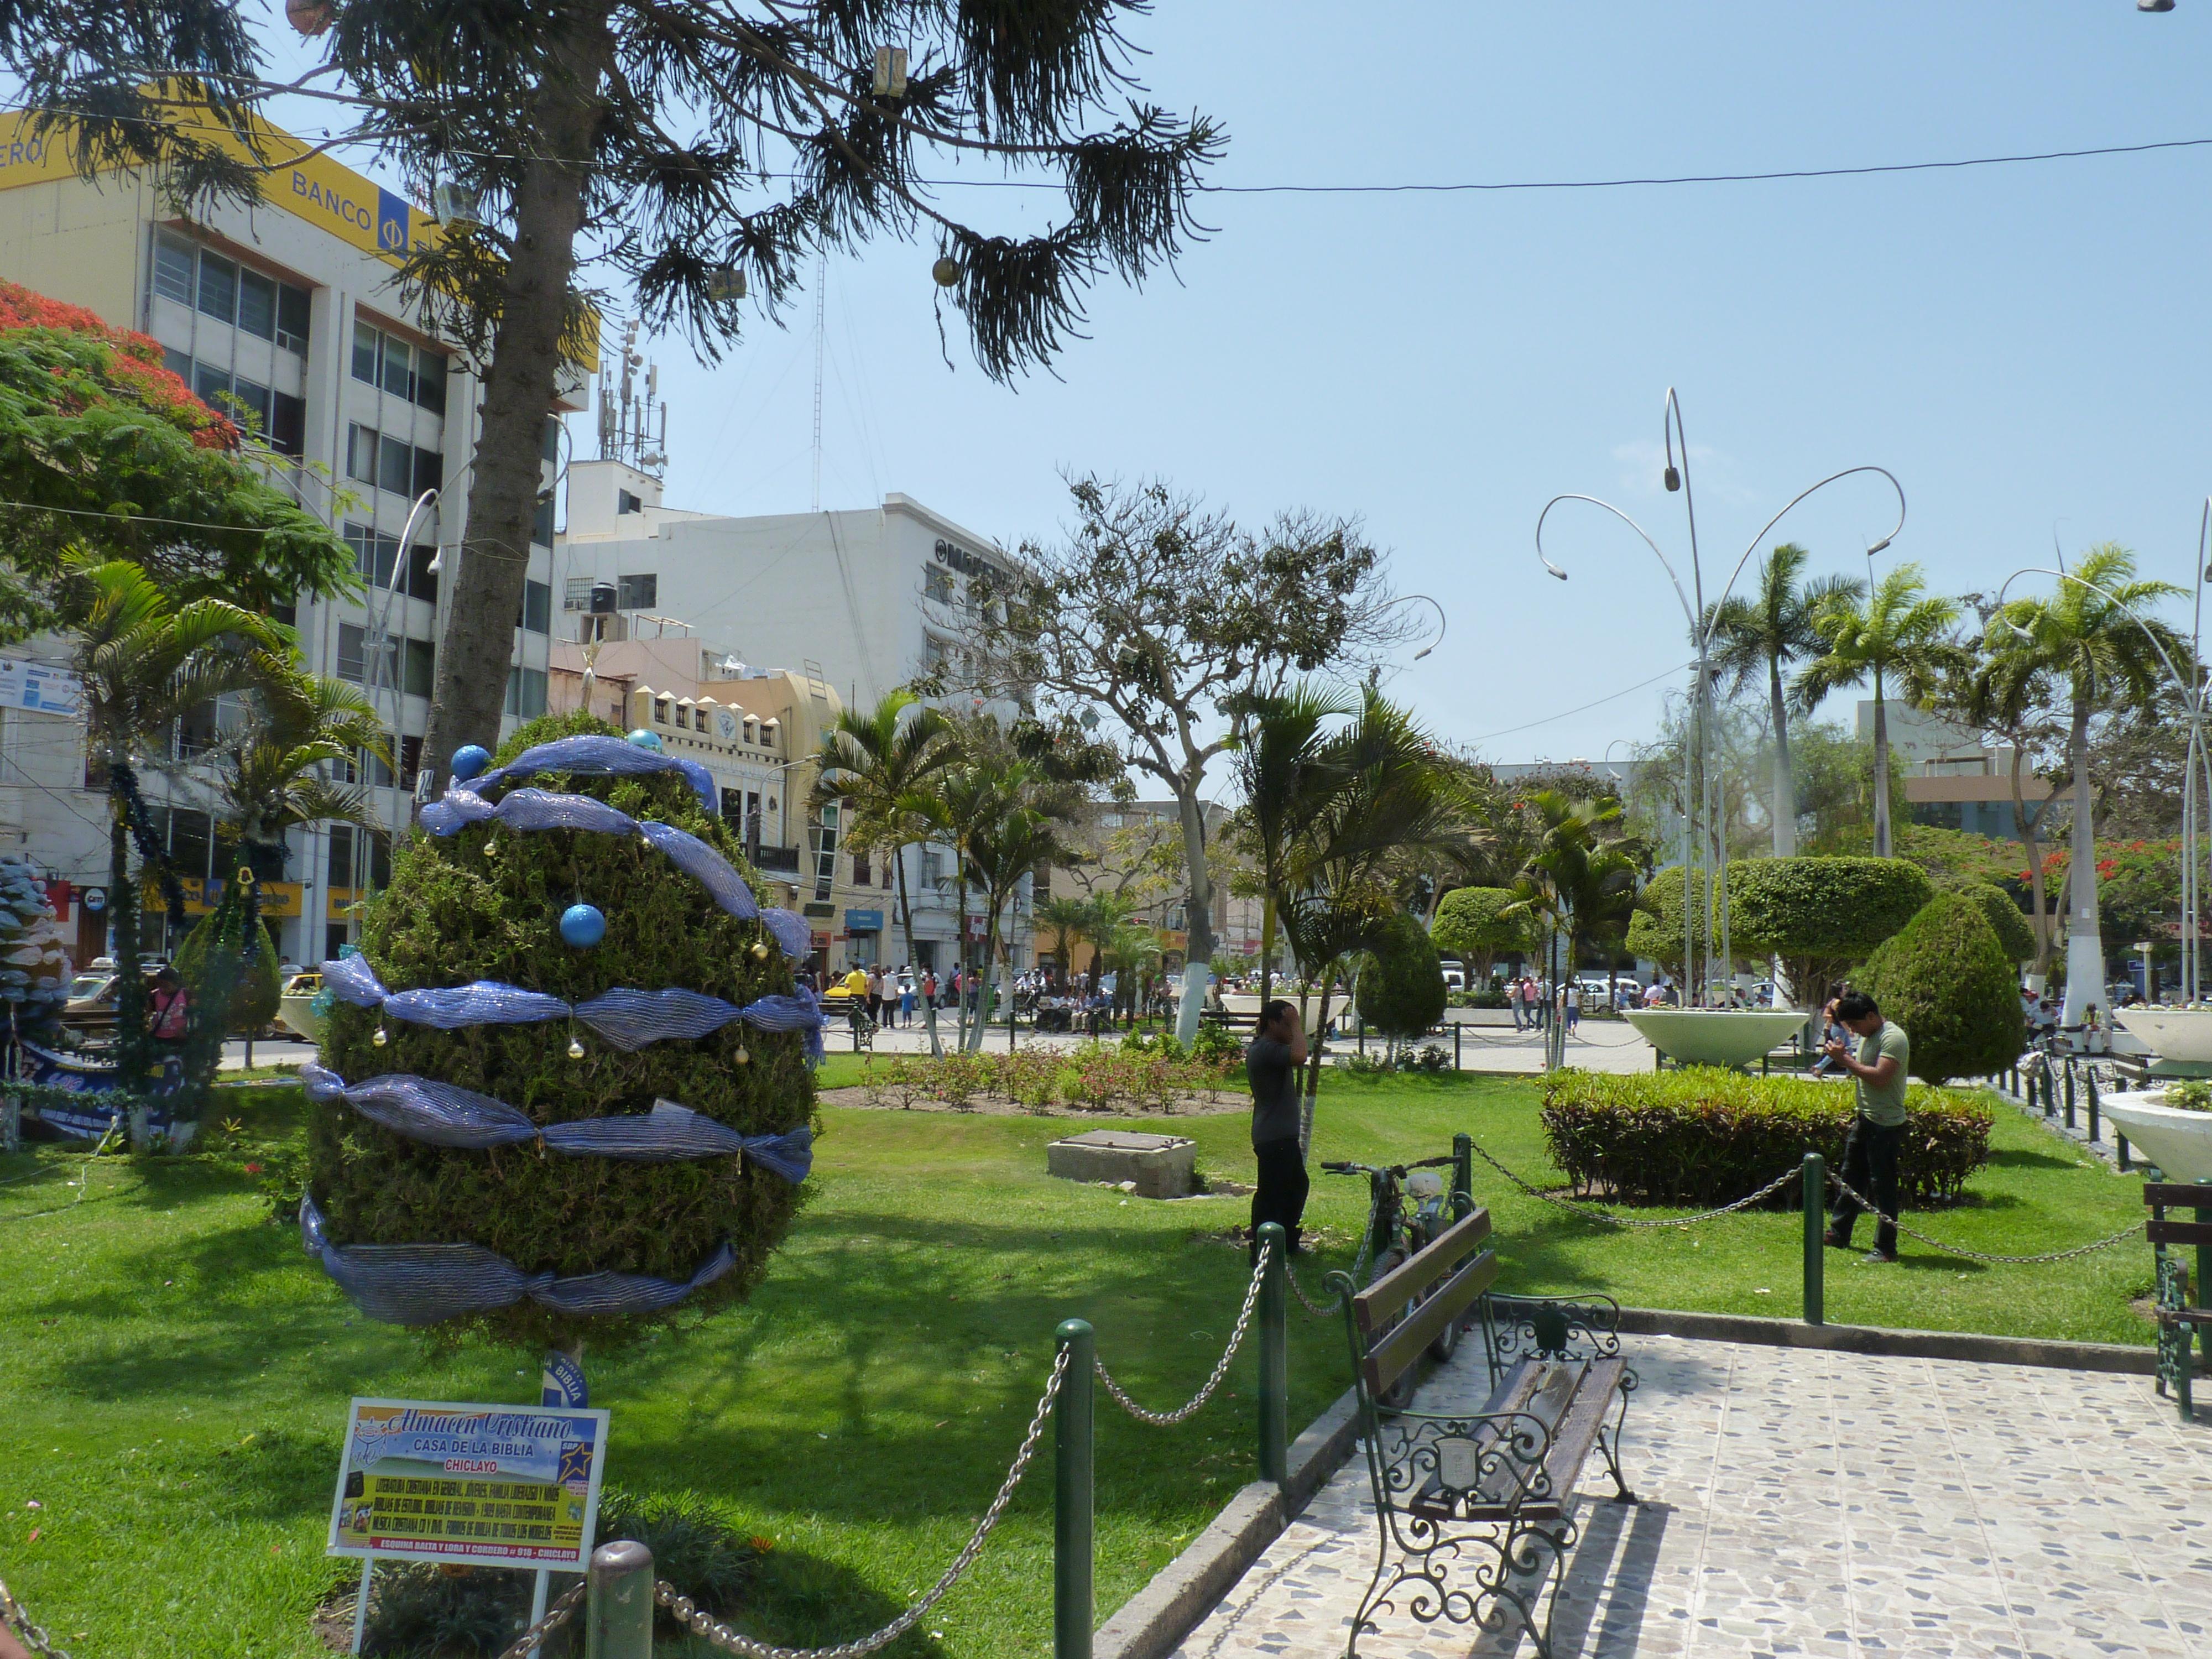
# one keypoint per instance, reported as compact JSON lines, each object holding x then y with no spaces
{"x":169,"y":1011}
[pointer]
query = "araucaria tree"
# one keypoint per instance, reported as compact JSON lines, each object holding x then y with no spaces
{"x":1177,"y":624}
{"x":678,"y":158}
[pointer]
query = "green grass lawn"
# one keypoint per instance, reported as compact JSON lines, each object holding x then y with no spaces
{"x":177,"y":1370}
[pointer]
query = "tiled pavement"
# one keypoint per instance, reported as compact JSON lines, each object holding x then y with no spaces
{"x":1796,"y":1502}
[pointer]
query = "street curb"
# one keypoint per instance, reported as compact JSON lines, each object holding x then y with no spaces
{"x":1158,"y":1617}
{"x":2118,"y":1357}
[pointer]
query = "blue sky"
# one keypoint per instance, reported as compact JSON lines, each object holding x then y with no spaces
{"x":2024,"y":347}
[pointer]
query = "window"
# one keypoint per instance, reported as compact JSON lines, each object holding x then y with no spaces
{"x":352,"y":659}
{"x":293,"y":310}
{"x":287,"y":425}
{"x":419,"y":671}
{"x":172,"y":267}
{"x":340,"y":867}
{"x":684,"y":717}
{"x":525,"y":692}
{"x":177,"y":363}
{"x":733,"y":806}
{"x":395,"y":466}
{"x":626,"y":502}
{"x":209,"y":383}
{"x":538,"y":607}
{"x":577,"y":595}
{"x":637,"y":592}
{"x":411,"y":761}
{"x":752,"y":730}
{"x":373,"y":552}
{"x":660,"y":707}
{"x":365,"y":348}
{"x":361,"y":453}
{"x":937,"y":584}
{"x":248,"y":404}
{"x":257,"y":304}
{"x":398,"y":369}
{"x":430,"y":381}
{"x":862,"y":875}
{"x":192,"y":842}
{"x":550,"y":451}
{"x":406,"y":371}
{"x":429,"y":470}
{"x":540,"y":526}
{"x":218,"y":287}
{"x":359,"y":855}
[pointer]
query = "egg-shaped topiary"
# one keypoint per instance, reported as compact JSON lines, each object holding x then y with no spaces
{"x":2006,"y":920}
{"x":35,"y":970}
{"x":1944,"y":978}
{"x":1401,"y":990}
{"x":483,"y":904}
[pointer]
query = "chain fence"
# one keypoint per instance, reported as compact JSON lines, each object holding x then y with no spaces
{"x":556,"y":1616}
{"x":703,"y":1624}
{"x":12,"y":1617}
{"x":1590,"y":1213}
{"x":1358,"y":1272}
{"x":1868,"y":1205}
{"x":1168,"y":1419}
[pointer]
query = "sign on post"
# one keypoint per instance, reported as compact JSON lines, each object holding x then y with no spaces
{"x":426,"y":1481}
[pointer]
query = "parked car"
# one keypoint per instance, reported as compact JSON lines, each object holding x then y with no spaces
{"x":1455,"y":977}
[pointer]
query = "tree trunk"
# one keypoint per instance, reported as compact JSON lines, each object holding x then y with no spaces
{"x":1785,"y":791}
{"x":2030,"y":824}
{"x":2084,"y":949}
{"x":913,"y":958}
{"x":123,"y":906}
{"x":1266,"y":945}
{"x":478,"y":645}
{"x":1198,"y":933}
{"x":960,"y":956}
{"x":1881,"y":772}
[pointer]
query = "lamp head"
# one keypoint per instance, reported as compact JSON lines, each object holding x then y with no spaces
{"x":1672,"y":478}
{"x":1553,"y":568}
{"x":2020,"y":632}
{"x":1881,"y":546}
{"x":1422,"y":651}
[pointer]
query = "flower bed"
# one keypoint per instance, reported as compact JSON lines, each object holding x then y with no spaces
{"x":1707,"y":1137}
{"x":1139,"y":1074}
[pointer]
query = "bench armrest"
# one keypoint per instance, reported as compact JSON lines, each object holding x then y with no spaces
{"x":1555,"y":1326}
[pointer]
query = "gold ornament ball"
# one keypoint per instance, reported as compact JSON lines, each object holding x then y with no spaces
{"x":575,"y":1047}
{"x":381,"y":1038}
{"x":946,"y":271}
{"x":760,"y":950}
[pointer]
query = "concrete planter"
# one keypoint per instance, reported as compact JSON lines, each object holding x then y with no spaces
{"x":2178,"y":1142}
{"x":2174,"y":1034}
{"x":1715,"y":1036}
{"x":1159,"y":1165}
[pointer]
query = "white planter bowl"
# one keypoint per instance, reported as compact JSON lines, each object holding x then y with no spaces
{"x":2172,"y":1034}
{"x":1715,"y":1036}
{"x":2178,"y":1142}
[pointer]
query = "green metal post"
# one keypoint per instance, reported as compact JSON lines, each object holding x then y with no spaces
{"x":2093,"y":1106}
{"x":1072,"y":1595}
{"x":1816,"y":1225}
{"x":2204,"y":1266}
{"x":1463,"y":1172}
{"x":2120,"y":1146}
{"x":618,"y":1605}
{"x":1275,"y":1358}
{"x":2069,"y":1091}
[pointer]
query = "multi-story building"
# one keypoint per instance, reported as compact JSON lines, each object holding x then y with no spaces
{"x":862,"y":602}
{"x":287,"y":314}
{"x":1952,"y":780}
{"x":1133,"y":849}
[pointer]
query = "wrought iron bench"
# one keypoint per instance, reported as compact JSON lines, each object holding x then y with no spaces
{"x":2176,"y":1319}
{"x":1479,"y":1507}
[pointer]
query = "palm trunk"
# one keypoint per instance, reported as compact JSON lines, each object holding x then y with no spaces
{"x":2084,"y":949}
{"x":1266,"y":944}
{"x":1881,"y":772}
{"x":2030,"y":824}
{"x":913,"y":957}
{"x":1785,"y":792}
{"x":960,"y":956}
{"x":132,"y":1054}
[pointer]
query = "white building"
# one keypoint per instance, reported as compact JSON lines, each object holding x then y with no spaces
{"x":288,"y":311}
{"x":864,"y":600}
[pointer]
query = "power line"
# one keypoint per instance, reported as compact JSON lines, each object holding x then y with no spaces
{"x":1564,"y":714}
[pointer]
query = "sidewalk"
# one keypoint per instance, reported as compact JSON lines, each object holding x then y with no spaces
{"x":1808,"y":1503}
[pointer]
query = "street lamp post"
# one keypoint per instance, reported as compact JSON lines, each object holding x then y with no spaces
{"x":1704,"y":827}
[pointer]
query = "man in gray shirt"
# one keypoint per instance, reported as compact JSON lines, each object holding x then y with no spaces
{"x":1277,"y":1049}
{"x":1878,"y":1128}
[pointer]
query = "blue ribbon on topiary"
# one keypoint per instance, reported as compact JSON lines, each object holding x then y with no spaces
{"x":446,"y":1114}
{"x":626,"y":1018}
{"x":423,"y":1284}
{"x":594,"y":755}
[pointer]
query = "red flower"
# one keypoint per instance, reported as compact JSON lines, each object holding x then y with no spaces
{"x":254,"y":1168}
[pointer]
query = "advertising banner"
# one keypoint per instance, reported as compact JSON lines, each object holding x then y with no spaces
{"x":428,"y":1480}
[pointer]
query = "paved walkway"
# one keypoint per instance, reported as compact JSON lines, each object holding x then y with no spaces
{"x":1796,"y":1502}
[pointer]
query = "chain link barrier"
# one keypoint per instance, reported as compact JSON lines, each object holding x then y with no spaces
{"x":558,"y":1614}
{"x":1592,"y":1214}
{"x":703,"y":1624}
{"x":1189,"y":1407}
{"x":1869,"y":1206}
{"x":13,"y":1617}
{"x":1358,"y":1272}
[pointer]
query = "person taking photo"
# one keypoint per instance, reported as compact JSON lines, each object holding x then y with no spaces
{"x":1877,"y":1133}
{"x":1271,"y":1060}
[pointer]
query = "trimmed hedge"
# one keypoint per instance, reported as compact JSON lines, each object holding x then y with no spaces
{"x":1822,"y":915}
{"x":1401,"y":988}
{"x":1704,"y":1137}
{"x":1946,"y":981}
{"x":1470,"y":926}
{"x":485,"y":904}
{"x":2006,"y":920}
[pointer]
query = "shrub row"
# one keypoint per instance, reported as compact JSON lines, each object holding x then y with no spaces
{"x":1704,"y":1136}
{"x":1144,"y":1075}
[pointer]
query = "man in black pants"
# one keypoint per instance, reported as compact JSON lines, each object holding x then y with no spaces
{"x":1878,"y":1129}
{"x":1277,"y":1049}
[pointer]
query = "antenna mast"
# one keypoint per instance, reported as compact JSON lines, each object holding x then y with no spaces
{"x":821,"y":294}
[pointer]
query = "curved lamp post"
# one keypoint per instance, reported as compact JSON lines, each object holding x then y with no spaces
{"x":2192,"y":701}
{"x":1443,"y":622}
{"x":1704,"y":831}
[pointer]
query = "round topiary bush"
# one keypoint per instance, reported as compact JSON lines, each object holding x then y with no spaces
{"x":1822,"y":915}
{"x":1401,"y":988}
{"x":485,"y":904}
{"x":2014,"y":937}
{"x":212,"y":961}
{"x":1946,"y":981}
{"x":1471,"y":925}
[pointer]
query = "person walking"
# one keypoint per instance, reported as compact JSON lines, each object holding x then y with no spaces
{"x":875,"y":993}
{"x":906,"y":996}
{"x":1877,"y":1135}
{"x":168,"y":1011}
{"x":1571,"y":1003}
{"x":1271,"y":1060}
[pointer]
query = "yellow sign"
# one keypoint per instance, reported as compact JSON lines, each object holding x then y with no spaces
{"x":279,"y":899}
{"x":309,"y":187}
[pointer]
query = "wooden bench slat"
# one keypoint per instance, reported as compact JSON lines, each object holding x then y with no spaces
{"x":2179,"y":1232}
{"x":1418,"y":1271}
{"x":1576,"y":1433}
{"x":2174,"y":1191}
{"x":1389,"y":1357}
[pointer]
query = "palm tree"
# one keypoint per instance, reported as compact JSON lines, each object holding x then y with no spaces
{"x":273,"y":770}
{"x":2089,"y":638}
{"x":145,"y":665}
{"x":1068,"y":919}
{"x":1768,"y":631}
{"x":1580,"y":884}
{"x":1282,"y":772}
{"x":1897,"y":632}
{"x":1015,"y":837}
{"x":878,"y":765}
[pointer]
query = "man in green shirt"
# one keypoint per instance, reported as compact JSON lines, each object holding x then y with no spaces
{"x":1878,"y":1129}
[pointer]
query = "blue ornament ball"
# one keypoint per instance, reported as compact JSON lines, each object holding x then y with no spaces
{"x":469,"y":760}
{"x":645,"y":739}
{"x":582,"y":926}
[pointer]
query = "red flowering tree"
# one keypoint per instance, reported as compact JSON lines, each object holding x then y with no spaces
{"x":104,"y":455}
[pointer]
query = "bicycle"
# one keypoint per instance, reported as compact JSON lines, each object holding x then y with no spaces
{"x":1395,"y":1232}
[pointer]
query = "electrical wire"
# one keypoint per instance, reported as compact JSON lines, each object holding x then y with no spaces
{"x":1565,"y":713}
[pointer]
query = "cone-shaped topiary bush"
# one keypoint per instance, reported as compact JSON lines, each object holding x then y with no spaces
{"x":1401,"y":988}
{"x":2014,"y":937}
{"x":485,"y":904}
{"x":1946,"y":981}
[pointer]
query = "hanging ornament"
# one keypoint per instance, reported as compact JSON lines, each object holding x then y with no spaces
{"x":742,"y":1057}
{"x":760,"y":950}
{"x":645,"y":739}
{"x":575,"y":1047}
{"x":381,"y":1037}
{"x":582,"y":926}
{"x":310,"y":17}
{"x":469,"y":760}
{"x":946,"y":271}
